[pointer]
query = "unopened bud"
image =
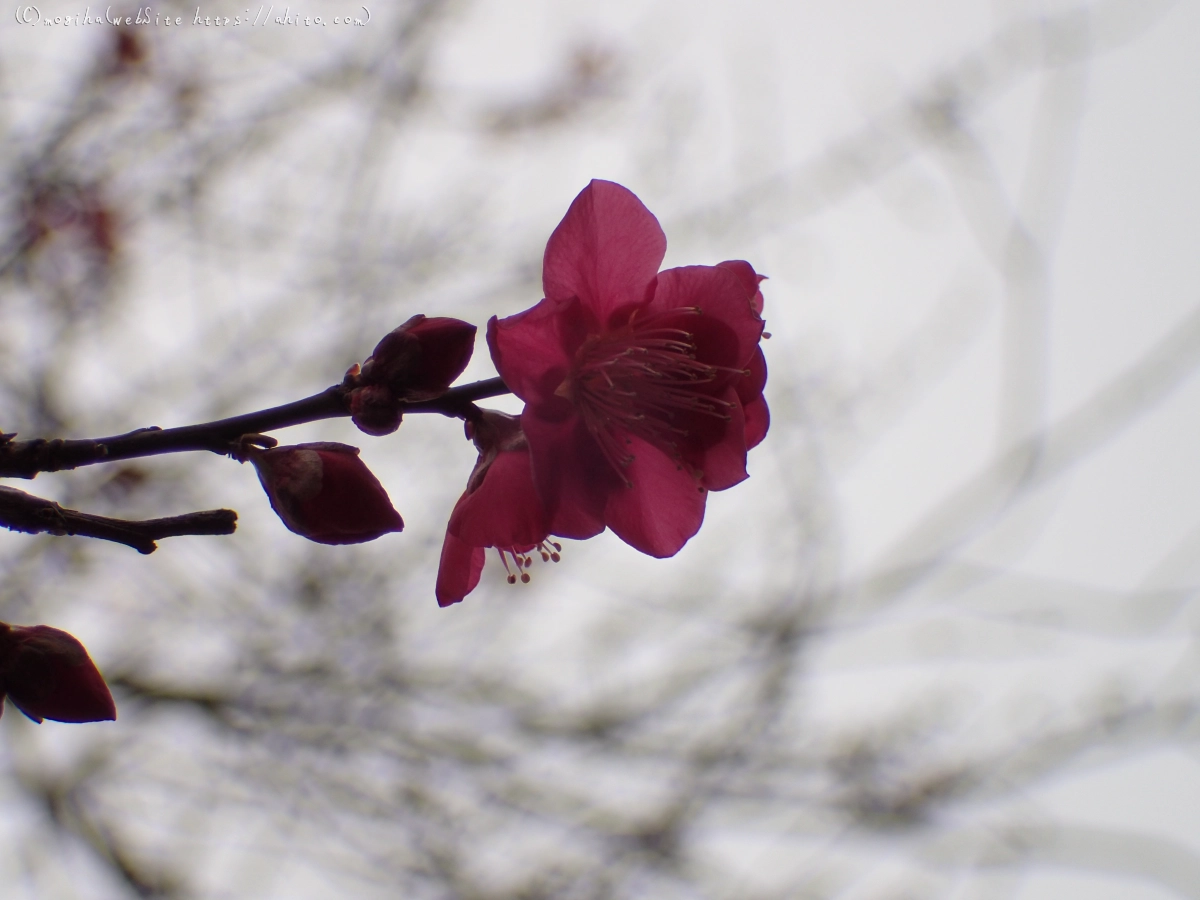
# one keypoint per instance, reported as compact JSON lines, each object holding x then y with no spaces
{"x":375,"y":410}
{"x":48,"y":674}
{"x":419,"y":360}
{"x":324,"y":492}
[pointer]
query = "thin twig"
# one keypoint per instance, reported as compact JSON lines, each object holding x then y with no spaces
{"x":24,"y":512}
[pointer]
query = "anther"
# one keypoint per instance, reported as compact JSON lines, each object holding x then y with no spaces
{"x":512,"y":579}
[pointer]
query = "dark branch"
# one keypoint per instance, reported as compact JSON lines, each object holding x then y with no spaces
{"x":20,"y":511}
{"x":459,"y":402}
{"x":24,"y":459}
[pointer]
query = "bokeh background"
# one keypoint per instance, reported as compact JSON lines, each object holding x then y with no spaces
{"x":942,"y":644}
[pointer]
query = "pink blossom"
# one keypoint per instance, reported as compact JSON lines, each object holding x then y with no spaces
{"x":642,"y":389}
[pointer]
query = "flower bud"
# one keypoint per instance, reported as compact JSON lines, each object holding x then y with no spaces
{"x":324,"y":492}
{"x":375,"y":410}
{"x":420,"y":359}
{"x":48,"y":674}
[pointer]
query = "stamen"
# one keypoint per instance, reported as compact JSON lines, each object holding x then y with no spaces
{"x":512,"y":579}
{"x":640,"y":379}
{"x":522,"y":560}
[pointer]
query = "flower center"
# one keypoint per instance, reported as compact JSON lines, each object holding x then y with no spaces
{"x":642,"y":380}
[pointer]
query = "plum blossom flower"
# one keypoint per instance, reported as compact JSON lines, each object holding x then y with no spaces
{"x":642,"y":389}
{"x":324,"y":492}
{"x":500,"y":508}
{"x":47,"y":674}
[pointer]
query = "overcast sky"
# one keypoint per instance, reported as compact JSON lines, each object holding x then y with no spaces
{"x":980,"y":223}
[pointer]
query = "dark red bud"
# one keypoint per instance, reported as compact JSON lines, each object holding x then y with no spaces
{"x":420,"y":359}
{"x":375,"y":410}
{"x":48,"y":674}
{"x":324,"y":492}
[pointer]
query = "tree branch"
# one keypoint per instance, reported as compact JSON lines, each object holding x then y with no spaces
{"x":24,"y":459}
{"x":20,"y":511}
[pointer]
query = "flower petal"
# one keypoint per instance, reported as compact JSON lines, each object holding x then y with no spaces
{"x":458,"y":573}
{"x":605,"y":251}
{"x":505,"y":510}
{"x":662,"y":510}
{"x":533,"y":350}
{"x":758,"y":420}
{"x":754,"y":405}
{"x":572,"y":476}
{"x":749,"y":278}
{"x":726,"y":316}
{"x":752,"y":385}
{"x":724,"y":463}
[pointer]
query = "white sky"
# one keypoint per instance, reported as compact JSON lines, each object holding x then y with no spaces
{"x":763,"y":89}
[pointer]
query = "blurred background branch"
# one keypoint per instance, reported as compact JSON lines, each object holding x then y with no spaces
{"x":940,"y":644}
